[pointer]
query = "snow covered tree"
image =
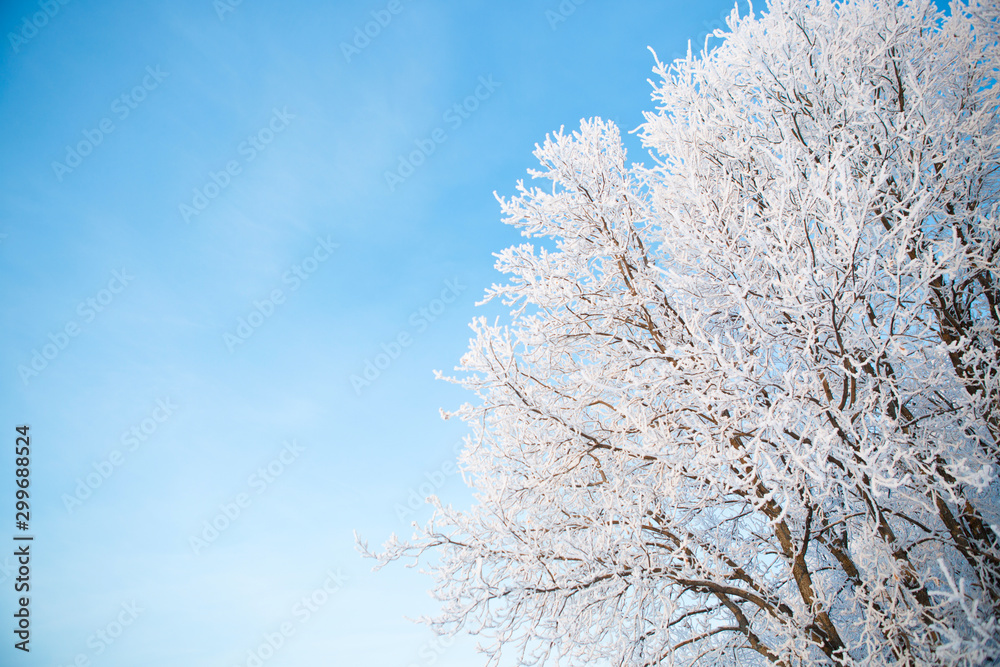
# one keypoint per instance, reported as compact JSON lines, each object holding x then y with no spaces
{"x":747,"y":408}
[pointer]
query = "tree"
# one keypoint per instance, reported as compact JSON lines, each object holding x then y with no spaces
{"x":746,"y":408}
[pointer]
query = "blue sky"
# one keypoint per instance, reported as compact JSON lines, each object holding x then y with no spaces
{"x":172,"y":168}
